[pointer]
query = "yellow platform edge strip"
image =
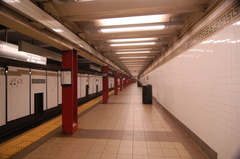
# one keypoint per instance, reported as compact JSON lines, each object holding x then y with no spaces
{"x":18,"y":143}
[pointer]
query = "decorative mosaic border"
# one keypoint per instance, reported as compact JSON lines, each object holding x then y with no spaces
{"x":228,"y":16}
{"x":219,"y":22}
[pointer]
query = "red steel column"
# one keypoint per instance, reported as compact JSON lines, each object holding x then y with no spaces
{"x":121,"y":84}
{"x":115,"y":82}
{"x":105,"y":84}
{"x":69,"y":94}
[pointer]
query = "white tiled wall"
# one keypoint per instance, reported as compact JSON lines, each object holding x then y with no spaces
{"x":18,"y":94}
{"x":59,"y":88}
{"x":52,"y":89}
{"x":38,"y":88}
{"x":2,"y":97}
{"x":110,"y":82}
{"x":84,"y":82}
{"x":91,"y":84}
{"x":79,"y":86}
{"x":201,"y":87}
{"x":100,"y":84}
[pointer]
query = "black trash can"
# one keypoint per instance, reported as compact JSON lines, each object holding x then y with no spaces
{"x":139,"y":84}
{"x":147,"y":94}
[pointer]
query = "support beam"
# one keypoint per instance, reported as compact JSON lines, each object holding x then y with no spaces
{"x":69,"y":94}
{"x":105,"y":84}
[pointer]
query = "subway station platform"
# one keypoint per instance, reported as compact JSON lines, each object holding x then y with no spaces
{"x":123,"y":129}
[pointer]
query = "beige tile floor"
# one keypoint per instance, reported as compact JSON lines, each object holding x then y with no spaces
{"x":123,"y":129}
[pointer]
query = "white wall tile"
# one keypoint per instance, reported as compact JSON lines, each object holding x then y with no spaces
{"x":18,"y":94}
{"x":38,"y":88}
{"x":52,"y":89}
{"x":2,"y":97}
{"x":201,"y":87}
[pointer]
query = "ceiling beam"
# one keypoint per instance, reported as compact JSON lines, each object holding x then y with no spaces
{"x":89,"y":27}
{"x":21,"y":24}
{"x":132,"y":12}
{"x":161,"y":34}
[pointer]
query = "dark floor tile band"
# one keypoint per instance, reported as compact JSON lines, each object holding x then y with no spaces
{"x":207,"y":149}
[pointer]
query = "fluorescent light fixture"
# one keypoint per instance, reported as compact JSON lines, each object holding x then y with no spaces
{"x":11,"y":1}
{"x":133,"y":49}
{"x":135,"y":61}
{"x":132,"y":65}
{"x":83,"y":0}
{"x":133,"y":44}
{"x":133,"y":29}
{"x":58,"y":30}
{"x":237,"y":23}
{"x":141,"y":63}
{"x":131,"y":40}
{"x":130,"y":20}
{"x":134,"y":57}
{"x":133,"y":52}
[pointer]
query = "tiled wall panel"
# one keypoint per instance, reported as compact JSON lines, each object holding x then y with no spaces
{"x":18,"y":93}
{"x":52,"y":89}
{"x":38,"y":87}
{"x":201,"y":87}
{"x":110,"y":82}
{"x":92,"y":84}
{"x":79,"y":86}
{"x":84,"y":82}
{"x":2,"y":97}
{"x":59,"y":88}
{"x":98,"y":82}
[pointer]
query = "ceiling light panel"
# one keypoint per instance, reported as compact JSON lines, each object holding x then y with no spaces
{"x":134,"y":65}
{"x":130,"y":20}
{"x":133,"y":52}
{"x":130,"y":60}
{"x":133,"y":29}
{"x":83,"y":0}
{"x":134,"y":49}
{"x":133,"y":44}
{"x":134,"y":57}
{"x":131,"y":40}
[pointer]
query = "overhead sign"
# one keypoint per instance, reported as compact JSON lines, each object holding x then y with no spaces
{"x":10,"y":51}
{"x":27,"y":47}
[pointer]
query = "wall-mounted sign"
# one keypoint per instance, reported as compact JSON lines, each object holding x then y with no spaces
{"x":95,"y":68}
{"x":104,"y":75}
{"x":66,"y":77}
{"x":38,"y":81}
{"x":10,"y":51}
